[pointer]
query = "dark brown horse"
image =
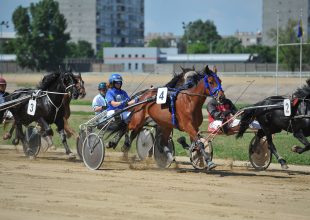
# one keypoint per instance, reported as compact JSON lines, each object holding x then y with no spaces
{"x":66,"y":103}
{"x":188,"y":109}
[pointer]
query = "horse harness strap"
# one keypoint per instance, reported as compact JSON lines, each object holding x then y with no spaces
{"x":216,"y":89}
{"x":173,"y":96}
{"x":56,"y":108}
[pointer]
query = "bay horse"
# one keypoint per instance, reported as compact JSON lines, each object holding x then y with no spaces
{"x":49,"y":109}
{"x":272,"y":120}
{"x":188,"y":109}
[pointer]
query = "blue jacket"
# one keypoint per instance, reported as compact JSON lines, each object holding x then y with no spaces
{"x":116,"y":95}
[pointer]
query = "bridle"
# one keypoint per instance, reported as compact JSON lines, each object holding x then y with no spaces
{"x":213,"y":91}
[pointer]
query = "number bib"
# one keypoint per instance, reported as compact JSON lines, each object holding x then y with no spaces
{"x":161,"y":97}
{"x":287,"y":107}
{"x":32,"y":104}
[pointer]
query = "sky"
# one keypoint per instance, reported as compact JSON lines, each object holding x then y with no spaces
{"x":166,"y":16}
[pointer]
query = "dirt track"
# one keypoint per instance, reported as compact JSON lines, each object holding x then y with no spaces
{"x":51,"y":187}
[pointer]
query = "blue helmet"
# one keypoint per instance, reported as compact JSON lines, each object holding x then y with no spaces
{"x":115,"y":77}
{"x":102,"y":85}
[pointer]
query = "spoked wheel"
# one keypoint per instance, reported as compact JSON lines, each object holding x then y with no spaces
{"x":259,"y":154}
{"x":79,"y":143}
{"x":160,"y":154}
{"x":197,"y":158}
{"x":145,"y":143}
{"x":32,"y":142}
{"x":93,"y":151}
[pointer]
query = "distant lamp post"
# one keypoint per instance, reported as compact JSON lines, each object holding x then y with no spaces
{"x":6,"y":25}
{"x":185,"y":27}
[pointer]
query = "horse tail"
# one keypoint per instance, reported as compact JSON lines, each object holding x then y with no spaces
{"x":246,"y":119}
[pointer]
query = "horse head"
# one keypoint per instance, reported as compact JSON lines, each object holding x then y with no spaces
{"x":80,"y":85}
{"x":213,"y":83}
{"x":69,"y":82}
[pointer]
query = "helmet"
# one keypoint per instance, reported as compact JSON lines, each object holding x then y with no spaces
{"x":2,"y":81}
{"x":102,"y":85}
{"x":115,"y":77}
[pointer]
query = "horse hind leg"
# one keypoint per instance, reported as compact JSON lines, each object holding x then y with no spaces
{"x":301,"y":137}
{"x":275,"y":152}
{"x":65,"y":144}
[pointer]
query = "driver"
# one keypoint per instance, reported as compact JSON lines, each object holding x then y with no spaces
{"x":221,"y":109}
{"x":118,"y":99}
{"x":3,"y":93}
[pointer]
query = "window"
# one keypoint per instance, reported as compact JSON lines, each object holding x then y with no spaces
{"x":129,"y":56}
{"x":136,"y":66}
{"x":115,"y":56}
{"x":123,"y":55}
{"x":136,"y":55}
{"x":129,"y":66}
{"x":143,"y":55}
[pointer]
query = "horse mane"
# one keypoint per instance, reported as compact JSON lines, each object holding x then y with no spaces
{"x":48,"y":80}
{"x":175,"y":79}
{"x":178,"y":77}
{"x":303,"y":92}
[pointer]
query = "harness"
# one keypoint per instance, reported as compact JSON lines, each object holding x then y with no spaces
{"x":174,"y":94}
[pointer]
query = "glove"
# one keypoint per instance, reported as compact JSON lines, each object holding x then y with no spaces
{"x":136,"y":99}
{"x":124,"y":103}
{"x":226,"y":113}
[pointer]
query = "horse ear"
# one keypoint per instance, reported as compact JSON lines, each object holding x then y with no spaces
{"x":206,"y":69}
{"x":193,"y":68}
{"x":308,"y":82}
{"x":182,"y":69}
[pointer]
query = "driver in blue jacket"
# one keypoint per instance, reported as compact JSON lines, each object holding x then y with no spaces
{"x":118,"y":99}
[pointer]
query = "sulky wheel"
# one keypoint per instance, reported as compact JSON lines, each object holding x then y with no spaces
{"x":197,"y":157}
{"x":79,"y":143}
{"x":145,"y":143}
{"x":93,"y":151}
{"x":160,"y":156}
{"x":32,"y":142}
{"x":259,"y":154}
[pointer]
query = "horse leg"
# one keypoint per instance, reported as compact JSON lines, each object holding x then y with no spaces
{"x":163,"y":135}
{"x":301,"y":137}
{"x":274,"y":151}
{"x":47,"y":130}
{"x":61,"y":131}
{"x":197,"y":143}
{"x":9,"y":134}
{"x":69,"y":131}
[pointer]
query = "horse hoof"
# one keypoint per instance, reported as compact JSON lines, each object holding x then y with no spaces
{"x":71,"y":156}
{"x":297,"y":149}
{"x":211,"y":165}
{"x":284,"y":166}
{"x":15,"y":141}
{"x":7,"y":136}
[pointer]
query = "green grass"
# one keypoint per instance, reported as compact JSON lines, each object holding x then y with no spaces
{"x":80,"y":102}
{"x":225,"y":147}
{"x":26,"y":85}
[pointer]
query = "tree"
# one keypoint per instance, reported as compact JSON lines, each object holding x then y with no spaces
{"x":229,"y":45}
{"x":265,"y":54}
{"x":82,"y":49}
{"x":158,"y":42}
{"x":199,"y":33}
{"x":287,"y":54}
{"x":100,"y":54}
{"x":41,"y":38}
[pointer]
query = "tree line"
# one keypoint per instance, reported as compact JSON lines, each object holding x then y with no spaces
{"x":41,"y":42}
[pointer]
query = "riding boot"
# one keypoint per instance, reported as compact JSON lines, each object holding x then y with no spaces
{"x":113,"y":143}
{"x":126,"y":146}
